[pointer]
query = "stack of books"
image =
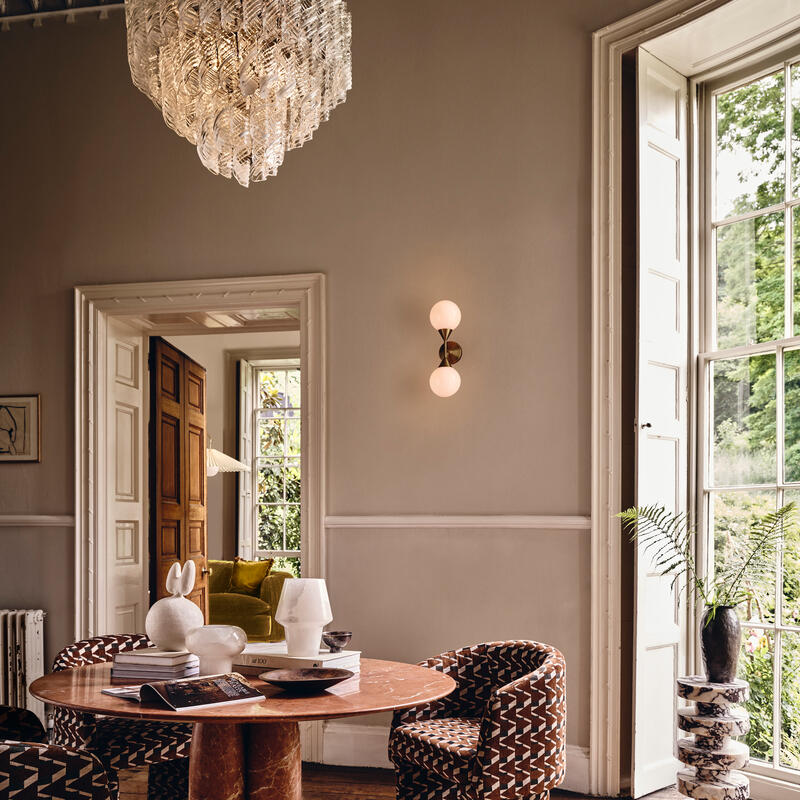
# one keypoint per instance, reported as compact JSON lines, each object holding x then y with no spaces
{"x":153,"y":664}
{"x":257,"y":658}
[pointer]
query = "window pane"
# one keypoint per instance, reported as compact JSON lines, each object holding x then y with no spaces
{"x":293,"y":482}
{"x":292,"y":527}
{"x":270,"y":438}
{"x":288,"y":564}
{"x":272,"y":389}
{"x":732,"y":515}
{"x":790,"y":700}
{"x":755,"y":666}
{"x":744,"y":450}
{"x":791,"y":414}
{"x":270,"y":528}
{"x":750,"y":282}
{"x":270,"y":484}
{"x":293,"y":387}
{"x":292,"y":435}
{"x":791,"y":566}
{"x":750,"y":146}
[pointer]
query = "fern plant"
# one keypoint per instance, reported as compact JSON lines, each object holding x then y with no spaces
{"x":668,"y":539}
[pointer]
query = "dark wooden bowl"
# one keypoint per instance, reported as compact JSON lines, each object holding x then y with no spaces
{"x":305,"y":681}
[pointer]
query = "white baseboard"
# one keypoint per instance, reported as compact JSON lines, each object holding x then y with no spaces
{"x":366,"y":746}
{"x":356,"y":745}
{"x":577,"y":777}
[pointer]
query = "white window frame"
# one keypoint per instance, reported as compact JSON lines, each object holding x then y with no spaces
{"x":248,"y":521}
{"x":610,"y":44}
{"x":707,"y":354}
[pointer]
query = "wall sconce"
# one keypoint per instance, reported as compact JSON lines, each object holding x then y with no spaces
{"x":444,"y":380}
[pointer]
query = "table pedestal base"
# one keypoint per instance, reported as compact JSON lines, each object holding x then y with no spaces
{"x":245,"y":762}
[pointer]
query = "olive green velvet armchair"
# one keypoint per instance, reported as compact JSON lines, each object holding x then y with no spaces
{"x":252,"y":612}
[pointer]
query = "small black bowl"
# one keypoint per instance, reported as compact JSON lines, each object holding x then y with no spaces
{"x":337,"y":640}
{"x":305,"y":681}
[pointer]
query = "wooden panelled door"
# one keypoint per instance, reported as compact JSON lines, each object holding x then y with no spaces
{"x":178,"y":505}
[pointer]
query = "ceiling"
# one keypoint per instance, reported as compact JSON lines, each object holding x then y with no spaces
{"x":725,"y":34}
{"x":38,"y":10}
{"x":196,"y":322}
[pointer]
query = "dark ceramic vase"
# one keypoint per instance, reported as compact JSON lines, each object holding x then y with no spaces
{"x":721,"y":636}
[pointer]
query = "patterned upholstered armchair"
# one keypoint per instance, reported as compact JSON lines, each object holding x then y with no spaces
{"x":30,"y":768}
{"x":500,"y":735}
{"x":124,"y":743}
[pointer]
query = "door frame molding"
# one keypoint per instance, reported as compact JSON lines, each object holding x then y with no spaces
{"x":608,"y":46}
{"x":94,"y":305}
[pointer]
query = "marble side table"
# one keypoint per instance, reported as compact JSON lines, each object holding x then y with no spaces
{"x":712,"y":758}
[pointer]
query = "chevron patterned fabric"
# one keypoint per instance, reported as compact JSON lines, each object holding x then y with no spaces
{"x":168,"y":780}
{"x":124,"y":743}
{"x":21,"y":725}
{"x":29,"y":771}
{"x":500,"y":735}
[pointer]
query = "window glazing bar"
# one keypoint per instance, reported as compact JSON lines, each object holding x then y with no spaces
{"x":758,"y":348}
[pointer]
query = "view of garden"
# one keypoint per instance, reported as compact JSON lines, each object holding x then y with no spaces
{"x":278,"y":475}
{"x":756,"y":395}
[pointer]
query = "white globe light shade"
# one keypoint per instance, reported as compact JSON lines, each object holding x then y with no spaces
{"x":445,"y":315}
{"x":445,"y":381}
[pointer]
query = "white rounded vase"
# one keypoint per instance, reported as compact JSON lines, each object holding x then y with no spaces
{"x":171,"y":618}
{"x":303,"y":610}
{"x":215,"y":646}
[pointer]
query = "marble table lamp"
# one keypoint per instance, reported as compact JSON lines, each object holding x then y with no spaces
{"x":304,"y":610}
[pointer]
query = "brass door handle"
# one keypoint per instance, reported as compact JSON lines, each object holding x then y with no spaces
{"x":205,"y":571}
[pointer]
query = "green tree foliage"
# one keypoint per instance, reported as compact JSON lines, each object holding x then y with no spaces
{"x":278,"y":479}
{"x":750,"y":307}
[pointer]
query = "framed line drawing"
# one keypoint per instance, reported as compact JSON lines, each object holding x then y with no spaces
{"x":20,"y":428}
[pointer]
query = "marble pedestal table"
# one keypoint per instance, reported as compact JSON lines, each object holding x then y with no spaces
{"x":712,"y":758}
{"x":252,"y":751}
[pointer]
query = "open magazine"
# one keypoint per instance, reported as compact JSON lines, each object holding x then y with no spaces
{"x":190,"y":694}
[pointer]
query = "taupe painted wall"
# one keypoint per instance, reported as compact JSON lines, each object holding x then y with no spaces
{"x":459,"y":167}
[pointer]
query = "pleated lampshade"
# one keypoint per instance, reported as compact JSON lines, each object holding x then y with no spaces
{"x":219,"y":462}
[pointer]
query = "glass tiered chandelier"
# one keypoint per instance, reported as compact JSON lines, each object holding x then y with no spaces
{"x":243,"y":80}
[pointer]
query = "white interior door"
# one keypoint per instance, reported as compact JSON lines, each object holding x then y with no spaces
{"x":126,"y":588}
{"x":661,"y":404}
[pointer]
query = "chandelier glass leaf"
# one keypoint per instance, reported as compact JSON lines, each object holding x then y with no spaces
{"x":242,"y":80}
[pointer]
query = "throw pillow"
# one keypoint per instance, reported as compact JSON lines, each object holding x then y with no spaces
{"x":248,"y":575}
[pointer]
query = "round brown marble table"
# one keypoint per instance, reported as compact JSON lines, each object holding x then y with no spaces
{"x":252,"y":751}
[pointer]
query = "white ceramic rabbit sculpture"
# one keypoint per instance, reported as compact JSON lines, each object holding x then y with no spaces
{"x":171,"y":618}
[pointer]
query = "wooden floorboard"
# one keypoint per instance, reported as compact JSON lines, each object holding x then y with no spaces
{"x":338,"y":783}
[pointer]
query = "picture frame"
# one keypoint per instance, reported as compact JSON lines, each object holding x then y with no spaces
{"x":20,"y":428}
